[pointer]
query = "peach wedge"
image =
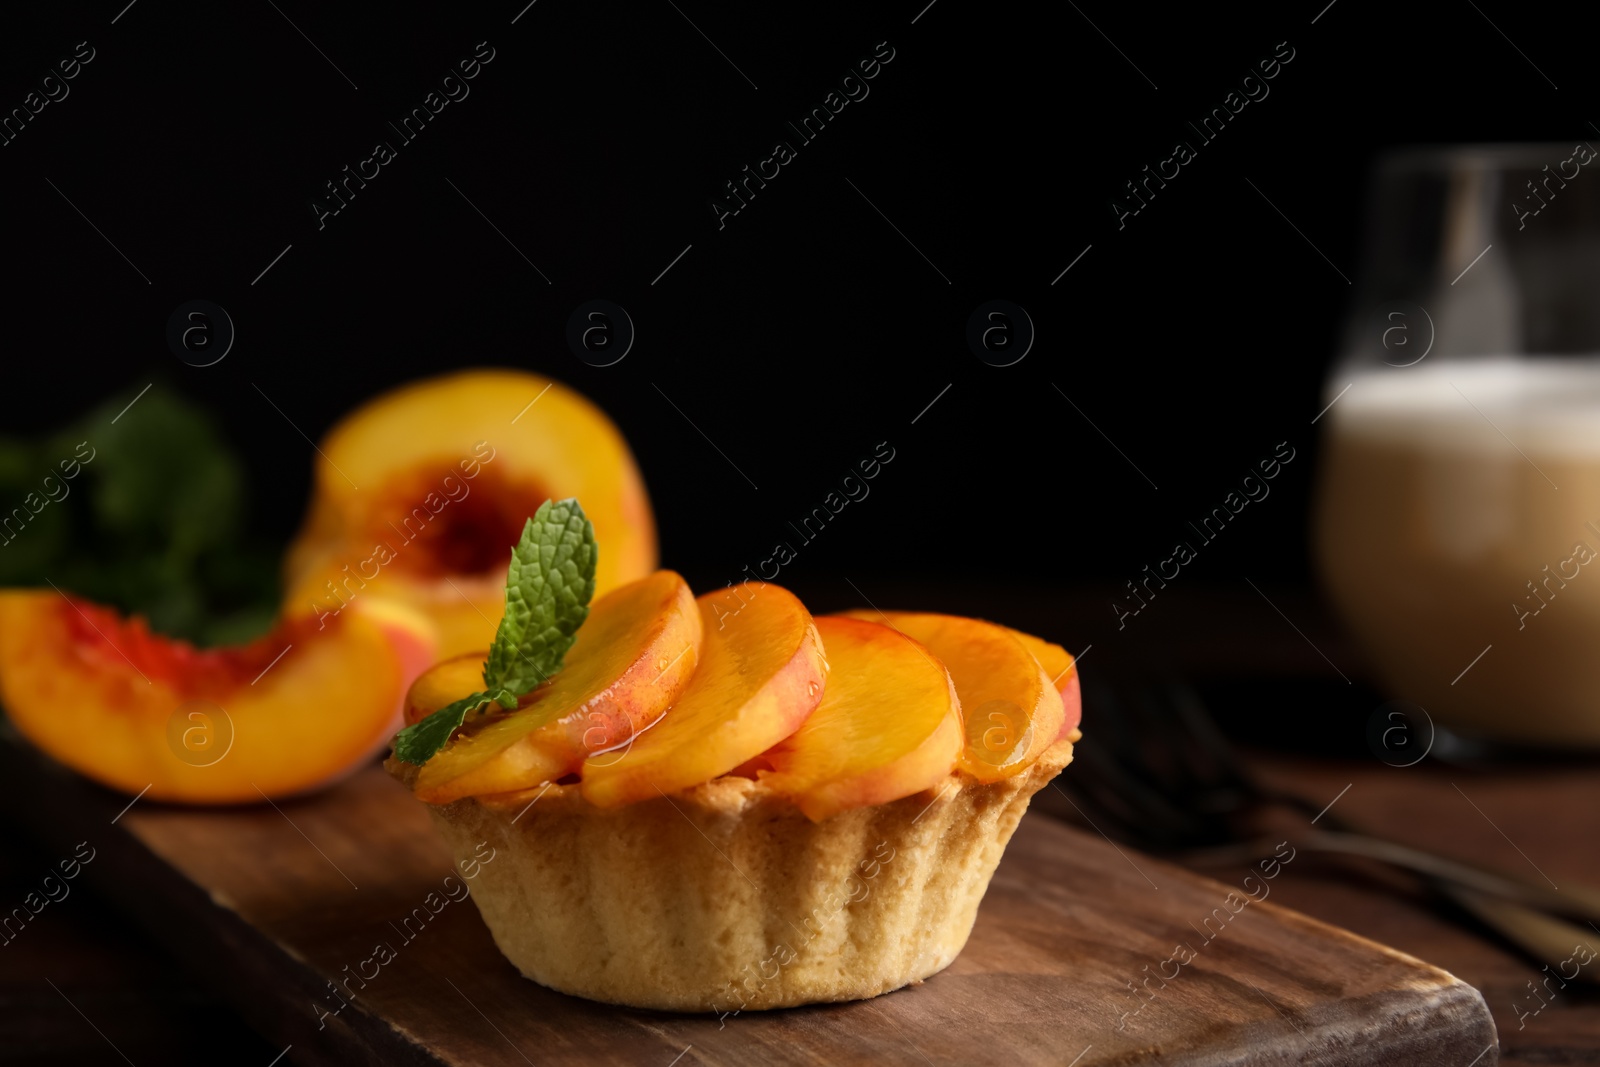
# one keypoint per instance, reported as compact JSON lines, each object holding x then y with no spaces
{"x":761,"y":674}
{"x":1059,"y":664}
{"x":632,"y":657}
{"x":139,"y":712}
{"x":444,"y":683}
{"x":1011,"y":711}
{"x":888,"y":726}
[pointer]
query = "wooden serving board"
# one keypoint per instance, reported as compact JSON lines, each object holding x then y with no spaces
{"x":271,"y":903}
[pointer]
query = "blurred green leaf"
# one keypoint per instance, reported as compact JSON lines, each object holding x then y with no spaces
{"x":147,"y":514}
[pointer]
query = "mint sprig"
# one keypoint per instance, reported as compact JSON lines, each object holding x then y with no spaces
{"x":548,"y":589}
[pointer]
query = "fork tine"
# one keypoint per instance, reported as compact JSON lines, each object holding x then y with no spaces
{"x":1191,"y":760}
{"x":1197,"y":717}
{"x":1126,"y":775}
{"x":1137,"y":811}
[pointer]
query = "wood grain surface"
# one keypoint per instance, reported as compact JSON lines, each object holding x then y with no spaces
{"x":271,"y":902}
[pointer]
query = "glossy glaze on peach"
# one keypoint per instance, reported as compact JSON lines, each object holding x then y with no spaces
{"x":831,"y":714}
{"x":1010,"y":710}
{"x":633,"y":656}
{"x":889,"y":724}
{"x":761,"y":674}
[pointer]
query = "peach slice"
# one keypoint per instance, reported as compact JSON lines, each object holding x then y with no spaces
{"x":1011,"y":711}
{"x":444,"y":683}
{"x":448,"y":469}
{"x":632,"y":657}
{"x":1062,"y":668}
{"x":289,"y":712}
{"x":888,"y":726}
{"x":1072,"y":698}
{"x":761,"y":673}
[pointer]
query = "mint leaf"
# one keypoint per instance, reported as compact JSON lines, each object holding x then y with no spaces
{"x":417,"y":742}
{"x":547,"y":598}
{"x":143,"y":505}
{"x":548,"y":589}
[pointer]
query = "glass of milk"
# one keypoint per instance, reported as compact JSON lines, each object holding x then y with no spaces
{"x":1457,"y":523}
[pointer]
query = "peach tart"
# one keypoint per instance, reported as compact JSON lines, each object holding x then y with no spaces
{"x":722,"y":803}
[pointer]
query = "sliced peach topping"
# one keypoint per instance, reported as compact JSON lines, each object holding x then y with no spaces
{"x":761,"y":673}
{"x":888,"y":726}
{"x":1010,"y":710}
{"x":137,"y":711}
{"x":1059,"y":664}
{"x":633,"y":655}
{"x":444,"y":683}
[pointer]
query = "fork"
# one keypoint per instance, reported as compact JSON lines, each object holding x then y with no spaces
{"x":1157,"y":772}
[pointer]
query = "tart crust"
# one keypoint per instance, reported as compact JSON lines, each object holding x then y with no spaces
{"x":725,"y":897}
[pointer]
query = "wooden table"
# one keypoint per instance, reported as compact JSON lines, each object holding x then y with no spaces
{"x":1543,"y":816}
{"x":80,"y":957}
{"x":1552,"y":817}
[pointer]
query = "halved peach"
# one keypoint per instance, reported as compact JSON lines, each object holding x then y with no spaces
{"x":761,"y":673}
{"x":633,"y":655}
{"x":1011,"y":711}
{"x":419,"y":495}
{"x":888,"y":726}
{"x":286,"y":713}
{"x":1062,"y":668}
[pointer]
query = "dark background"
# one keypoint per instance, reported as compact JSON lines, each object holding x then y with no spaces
{"x":808,"y":329}
{"x":798,"y":337}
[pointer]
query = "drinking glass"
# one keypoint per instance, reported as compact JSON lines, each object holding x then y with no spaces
{"x":1457,"y":516}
